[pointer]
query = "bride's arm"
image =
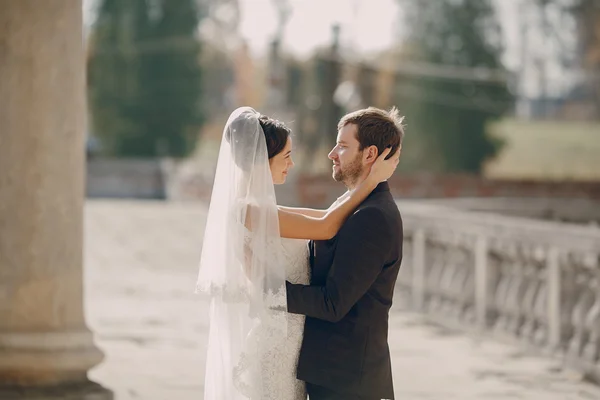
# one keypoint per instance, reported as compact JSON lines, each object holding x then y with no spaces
{"x":309,"y":212}
{"x":312,"y":212}
{"x":299,"y":226}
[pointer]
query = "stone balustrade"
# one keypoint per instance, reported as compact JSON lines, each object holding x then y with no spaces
{"x":532,"y":280}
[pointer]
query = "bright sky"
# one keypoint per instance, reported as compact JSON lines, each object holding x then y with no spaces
{"x":366,"y":25}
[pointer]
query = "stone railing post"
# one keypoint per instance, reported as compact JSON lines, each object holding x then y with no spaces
{"x":481,"y":281}
{"x":553,"y":310}
{"x":418,"y":269}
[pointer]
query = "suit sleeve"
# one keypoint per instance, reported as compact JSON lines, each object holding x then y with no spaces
{"x":362,"y":249}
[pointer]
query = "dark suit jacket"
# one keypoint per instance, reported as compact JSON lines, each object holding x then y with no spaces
{"x":347,"y":304}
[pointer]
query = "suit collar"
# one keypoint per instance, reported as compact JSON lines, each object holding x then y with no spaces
{"x":382,"y":187}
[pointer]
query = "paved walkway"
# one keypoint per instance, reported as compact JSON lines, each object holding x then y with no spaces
{"x":141,"y":266}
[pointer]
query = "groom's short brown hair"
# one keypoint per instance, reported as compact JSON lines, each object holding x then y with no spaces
{"x":376,"y":127}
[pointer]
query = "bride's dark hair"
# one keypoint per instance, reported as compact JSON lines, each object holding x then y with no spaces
{"x":276,"y":134}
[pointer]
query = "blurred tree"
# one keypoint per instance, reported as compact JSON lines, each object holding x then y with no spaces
{"x":328,"y":73}
{"x":294,"y":81}
{"x":587,"y":16}
{"x":145,"y":77}
{"x":447,"y":114}
{"x":367,"y":84}
{"x":575,"y":33}
{"x":220,"y":22}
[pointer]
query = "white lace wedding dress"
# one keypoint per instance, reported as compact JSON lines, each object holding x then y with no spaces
{"x":279,"y":360}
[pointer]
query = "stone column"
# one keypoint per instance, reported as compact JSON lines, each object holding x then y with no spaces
{"x":43,"y":335}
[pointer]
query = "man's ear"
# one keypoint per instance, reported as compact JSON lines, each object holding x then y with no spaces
{"x":370,"y":154}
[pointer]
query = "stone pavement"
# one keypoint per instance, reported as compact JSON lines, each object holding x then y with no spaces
{"x":141,"y":265}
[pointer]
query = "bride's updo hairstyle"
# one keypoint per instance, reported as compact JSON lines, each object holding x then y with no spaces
{"x":275,"y":132}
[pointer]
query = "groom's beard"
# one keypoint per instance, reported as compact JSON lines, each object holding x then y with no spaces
{"x":350,"y":173}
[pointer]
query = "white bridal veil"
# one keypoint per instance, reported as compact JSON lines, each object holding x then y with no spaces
{"x":241,"y":267}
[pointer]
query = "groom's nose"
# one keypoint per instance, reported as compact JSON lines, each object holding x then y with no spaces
{"x":331,"y":154}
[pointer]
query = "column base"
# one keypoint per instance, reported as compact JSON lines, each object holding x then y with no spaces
{"x":87,"y":390}
{"x":46,"y":358}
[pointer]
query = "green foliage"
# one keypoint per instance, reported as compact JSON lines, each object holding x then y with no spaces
{"x":145,"y":77}
{"x":447,"y":115}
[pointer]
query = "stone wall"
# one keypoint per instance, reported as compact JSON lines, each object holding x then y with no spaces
{"x":319,"y":190}
{"x":125,"y":178}
{"x":575,"y":210}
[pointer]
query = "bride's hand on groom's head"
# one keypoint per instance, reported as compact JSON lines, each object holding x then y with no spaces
{"x":383,"y":169}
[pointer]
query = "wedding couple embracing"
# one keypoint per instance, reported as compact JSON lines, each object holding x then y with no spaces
{"x":300,"y":298}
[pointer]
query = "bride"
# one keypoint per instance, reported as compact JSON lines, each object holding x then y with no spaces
{"x":251,"y":246}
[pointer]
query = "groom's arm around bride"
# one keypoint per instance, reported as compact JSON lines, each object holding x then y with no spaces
{"x":363,"y":247}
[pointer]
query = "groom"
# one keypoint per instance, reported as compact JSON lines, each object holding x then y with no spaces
{"x":345,"y":352}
